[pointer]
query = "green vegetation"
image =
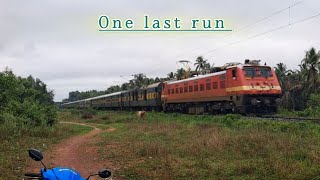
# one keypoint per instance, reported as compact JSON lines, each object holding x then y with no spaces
{"x":25,"y":102}
{"x":13,"y":149}
{"x":312,"y":110}
{"x":299,"y":85}
{"x":27,"y":119}
{"x":179,"y":146}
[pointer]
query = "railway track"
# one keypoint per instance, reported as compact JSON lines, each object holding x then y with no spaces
{"x":292,"y":119}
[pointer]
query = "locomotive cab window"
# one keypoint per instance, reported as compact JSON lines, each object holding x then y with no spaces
{"x":265,"y":72}
{"x":250,"y":71}
{"x":257,"y":71}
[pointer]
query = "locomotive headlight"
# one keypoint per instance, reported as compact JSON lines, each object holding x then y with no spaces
{"x":278,"y":101}
{"x":255,"y":101}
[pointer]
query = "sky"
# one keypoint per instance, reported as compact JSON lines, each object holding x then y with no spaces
{"x":60,"y":43}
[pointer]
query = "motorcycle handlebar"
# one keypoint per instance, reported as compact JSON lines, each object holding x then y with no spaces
{"x":33,"y":174}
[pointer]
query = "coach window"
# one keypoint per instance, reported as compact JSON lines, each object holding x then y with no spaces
{"x":181,"y":89}
{"x":177,"y":90}
{"x":214,"y":85}
{"x":190,"y":88}
{"x":222,"y":84}
{"x":172,"y":91}
{"x":208,"y":86}
{"x":145,"y":95}
{"x":186,"y":89}
{"x":201,"y":87}
{"x":168,"y":91}
{"x":195,"y":87}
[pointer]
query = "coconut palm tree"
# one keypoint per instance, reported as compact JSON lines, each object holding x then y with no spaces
{"x":281,"y":72}
{"x":310,"y":68}
{"x":200,"y":64}
{"x":290,"y":82}
{"x":170,"y":75}
{"x":206,"y":68}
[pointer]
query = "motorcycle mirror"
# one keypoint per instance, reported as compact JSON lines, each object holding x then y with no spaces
{"x":35,"y":154}
{"x":104,"y":173}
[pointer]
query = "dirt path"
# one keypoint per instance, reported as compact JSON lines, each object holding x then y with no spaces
{"x":78,"y":152}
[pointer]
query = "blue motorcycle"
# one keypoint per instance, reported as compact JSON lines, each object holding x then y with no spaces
{"x":58,"y":173}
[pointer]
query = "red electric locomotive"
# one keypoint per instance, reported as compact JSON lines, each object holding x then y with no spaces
{"x":237,"y":88}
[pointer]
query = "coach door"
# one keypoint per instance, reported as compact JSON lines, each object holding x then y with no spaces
{"x":232,"y":75}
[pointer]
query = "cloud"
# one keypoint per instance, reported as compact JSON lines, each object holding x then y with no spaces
{"x":58,"y":41}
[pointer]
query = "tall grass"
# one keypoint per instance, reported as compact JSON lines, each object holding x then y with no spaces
{"x":178,"y":146}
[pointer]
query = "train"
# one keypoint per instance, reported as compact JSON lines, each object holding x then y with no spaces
{"x":248,"y":88}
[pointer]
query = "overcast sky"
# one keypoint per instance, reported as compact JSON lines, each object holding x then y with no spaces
{"x":59,"y":42}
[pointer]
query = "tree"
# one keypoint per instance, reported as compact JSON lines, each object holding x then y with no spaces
{"x":180,"y":74}
{"x":170,"y":75}
{"x":310,"y":67}
{"x":298,"y":85}
{"x":281,"y":72}
{"x":206,"y":68}
{"x":25,"y":101}
{"x":138,"y":79}
{"x":201,"y":65}
{"x":124,"y":86}
{"x":156,"y":80}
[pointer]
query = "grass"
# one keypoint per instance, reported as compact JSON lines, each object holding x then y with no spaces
{"x":179,"y":146}
{"x":15,"y":142}
{"x":308,"y":113}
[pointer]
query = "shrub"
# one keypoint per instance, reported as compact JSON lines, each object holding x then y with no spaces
{"x":25,"y":102}
{"x":87,"y":113}
{"x":314,"y":101}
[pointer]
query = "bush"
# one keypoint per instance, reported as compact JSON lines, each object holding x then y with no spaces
{"x":314,"y":101}
{"x":87,"y":113}
{"x":74,"y":112}
{"x":25,"y":102}
{"x":8,"y":125}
